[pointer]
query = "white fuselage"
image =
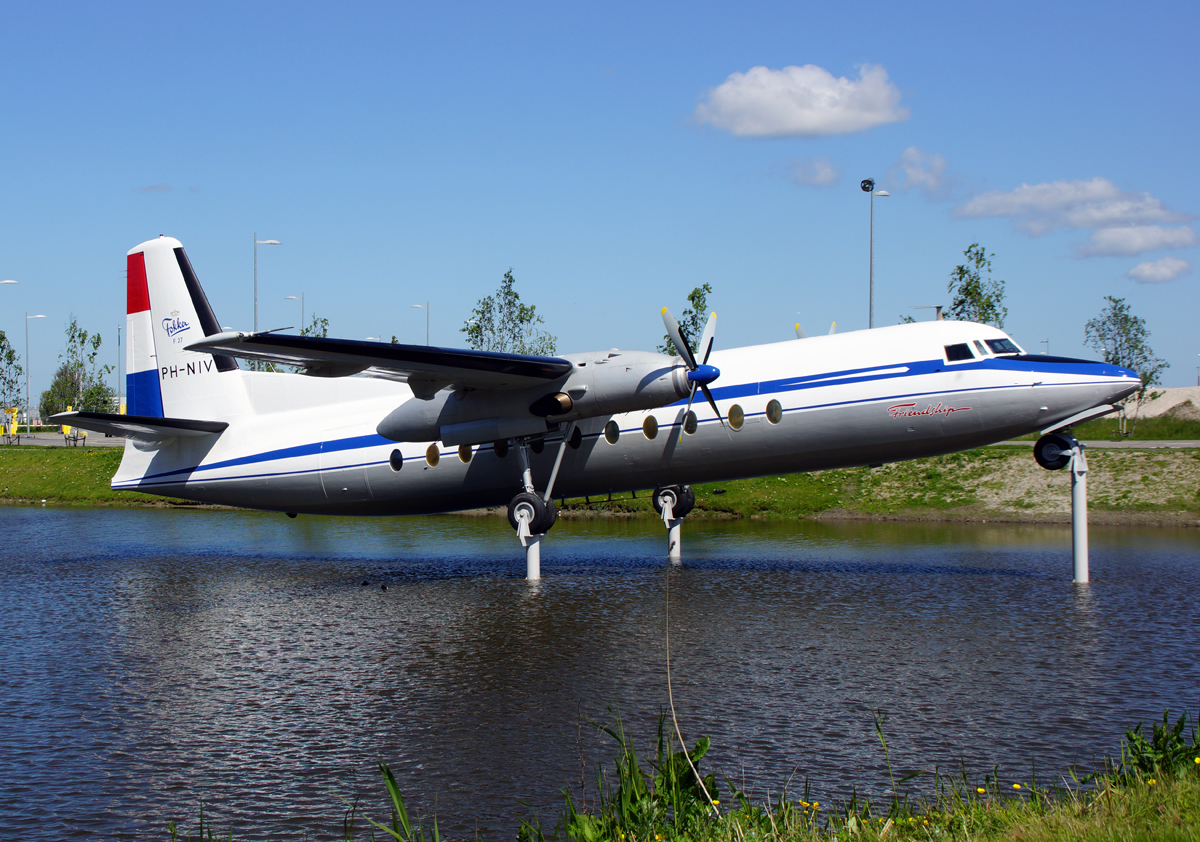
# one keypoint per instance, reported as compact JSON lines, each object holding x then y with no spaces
{"x":306,"y":444}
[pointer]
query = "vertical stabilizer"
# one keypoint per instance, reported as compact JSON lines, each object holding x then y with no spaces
{"x":167,"y":310}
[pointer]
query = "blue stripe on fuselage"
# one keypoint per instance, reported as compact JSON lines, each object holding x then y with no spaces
{"x":788,"y":384}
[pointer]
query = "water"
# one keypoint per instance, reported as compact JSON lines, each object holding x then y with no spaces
{"x":153,"y":660}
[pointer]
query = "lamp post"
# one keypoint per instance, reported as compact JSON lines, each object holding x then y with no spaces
{"x":257,"y":243}
{"x":27,"y":320}
{"x":299,"y":298}
{"x":868,"y":186}
{"x":424,"y":307}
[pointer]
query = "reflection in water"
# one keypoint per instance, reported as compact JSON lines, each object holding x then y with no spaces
{"x":157,"y":659}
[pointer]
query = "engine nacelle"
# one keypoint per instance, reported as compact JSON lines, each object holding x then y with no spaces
{"x":601,"y":383}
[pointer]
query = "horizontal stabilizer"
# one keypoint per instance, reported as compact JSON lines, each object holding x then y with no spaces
{"x":426,"y":369}
{"x":143,"y":428}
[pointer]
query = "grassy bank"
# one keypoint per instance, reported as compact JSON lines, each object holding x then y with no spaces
{"x":66,"y":476}
{"x":1152,"y":792}
{"x":992,"y":483}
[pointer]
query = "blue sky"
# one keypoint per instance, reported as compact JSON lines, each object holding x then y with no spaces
{"x":614,"y":156}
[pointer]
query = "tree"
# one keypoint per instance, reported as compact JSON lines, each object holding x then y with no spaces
{"x":1122,"y":338}
{"x":975,"y":295}
{"x":502,"y":323}
{"x":10,"y":375}
{"x":316,"y":327}
{"x":79,"y":381}
{"x":691,"y":321}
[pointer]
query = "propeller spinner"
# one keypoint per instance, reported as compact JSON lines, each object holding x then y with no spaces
{"x":700,"y":374}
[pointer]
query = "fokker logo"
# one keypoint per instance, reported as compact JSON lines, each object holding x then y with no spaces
{"x":174,"y":324}
{"x":909,"y":410}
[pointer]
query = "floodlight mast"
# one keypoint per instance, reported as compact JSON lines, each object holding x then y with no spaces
{"x":257,"y":243}
{"x":868,"y":186}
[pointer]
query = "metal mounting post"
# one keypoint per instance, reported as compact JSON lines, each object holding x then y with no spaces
{"x":673,"y":525}
{"x":1079,"y":525}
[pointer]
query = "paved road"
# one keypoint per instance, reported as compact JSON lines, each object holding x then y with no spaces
{"x":58,"y":440}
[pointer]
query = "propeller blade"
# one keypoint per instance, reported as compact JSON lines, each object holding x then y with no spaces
{"x":687,"y":412}
{"x":833,"y":329}
{"x":713,"y":404}
{"x":706,"y":338}
{"x":679,"y":341}
{"x":800,"y":334}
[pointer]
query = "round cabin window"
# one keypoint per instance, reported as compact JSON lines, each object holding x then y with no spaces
{"x":690,"y":423}
{"x":464,"y":453}
{"x":396,"y":460}
{"x":612,"y":432}
{"x":737,"y":417}
{"x":433,"y":455}
{"x":774,"y":412}
{"x":537,"y":445}
{"x":576,"y":438}
{"x":500,"y":448}
{"x":650,"y":427}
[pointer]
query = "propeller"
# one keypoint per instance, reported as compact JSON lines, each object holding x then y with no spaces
{"x":700,"y":374}
{"x":800,"y":334}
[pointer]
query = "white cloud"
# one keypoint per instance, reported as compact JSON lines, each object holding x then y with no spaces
{"x":924,"y":171}
{"x":801,"y":102}
{"x":1136,"y":240}
{"x":1158,"y":271}
{"x":814,"y":172}
{"x":1098,"y":203}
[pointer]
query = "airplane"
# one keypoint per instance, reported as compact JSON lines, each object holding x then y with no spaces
{"x":372,"y":428}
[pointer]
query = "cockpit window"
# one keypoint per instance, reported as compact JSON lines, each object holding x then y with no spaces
{"x":979,"y":346}
{"x":961,"y":351}
{"x":1003,"y":346}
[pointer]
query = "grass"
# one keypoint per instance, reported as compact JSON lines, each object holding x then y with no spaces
{"x":1150,"y":793}
{"x":70,"y":475}
{"x":1147,"y":429}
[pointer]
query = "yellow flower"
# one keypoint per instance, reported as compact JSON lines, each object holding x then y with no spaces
{"x":926,"y":821}
{"x":1151,"y":782}
{"x":980,"y":790}
{"x":1016,"y":786}
{"x":1197,"y":760}
{"x":715,"y":801}
{"x":816,"y":805}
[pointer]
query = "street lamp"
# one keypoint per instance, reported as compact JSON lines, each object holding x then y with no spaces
{"x":424,"y":307}
{"x":299,"y":298}
{"x":27,"y":320}
{"x":257,"y":243}
{"x":868,"y":186}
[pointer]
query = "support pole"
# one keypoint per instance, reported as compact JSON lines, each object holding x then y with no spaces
{"x":533,"y":558}
{"x":1079,"y":526}
{"x":673,"y":534}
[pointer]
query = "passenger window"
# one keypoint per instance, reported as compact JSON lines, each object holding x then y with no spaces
{"x":774,"y":411}
{"x":737,"y":417}
{"x":612,"y":432}
{"x":959,"y":352}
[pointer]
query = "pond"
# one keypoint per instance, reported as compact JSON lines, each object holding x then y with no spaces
{"x":154,"y":660}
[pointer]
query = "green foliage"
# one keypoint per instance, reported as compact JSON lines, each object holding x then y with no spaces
{"x":1165,"y":753}
{"x":316,"y":327}
{"x":502,"y":323}
{"x":907,"y":320}
{"x":79,"y":380}
{"x":1159,"y":428}
{"x":10,"y":374}
{"x":1123,"y":339}
{"x":975,"y":295}
{"x":691,"y":321}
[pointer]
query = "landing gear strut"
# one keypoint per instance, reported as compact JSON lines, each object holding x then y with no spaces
{"x":530,"y":513}
{"x":1054,"y":452}
{"x":673,"y":502}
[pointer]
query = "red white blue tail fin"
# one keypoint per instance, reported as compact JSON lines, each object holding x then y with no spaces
{"x":167,"y":309}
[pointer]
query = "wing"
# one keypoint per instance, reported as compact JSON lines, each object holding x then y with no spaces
{"x":424,"y":368}
{"x":144,"y":428}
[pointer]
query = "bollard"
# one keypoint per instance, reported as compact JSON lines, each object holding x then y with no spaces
{"x":1079,"y":526}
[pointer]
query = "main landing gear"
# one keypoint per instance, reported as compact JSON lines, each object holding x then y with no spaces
{"x":673,"y":502}
{"x":1055,"y":452}
{"x":530,"y":513}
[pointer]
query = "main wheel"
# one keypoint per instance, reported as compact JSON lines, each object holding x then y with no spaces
{"x":683,"y":499}
{"x":1053,"y":452}
{"x":540,"y":514}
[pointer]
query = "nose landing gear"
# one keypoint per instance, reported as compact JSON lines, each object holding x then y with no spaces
{"x":1054,"y":452}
